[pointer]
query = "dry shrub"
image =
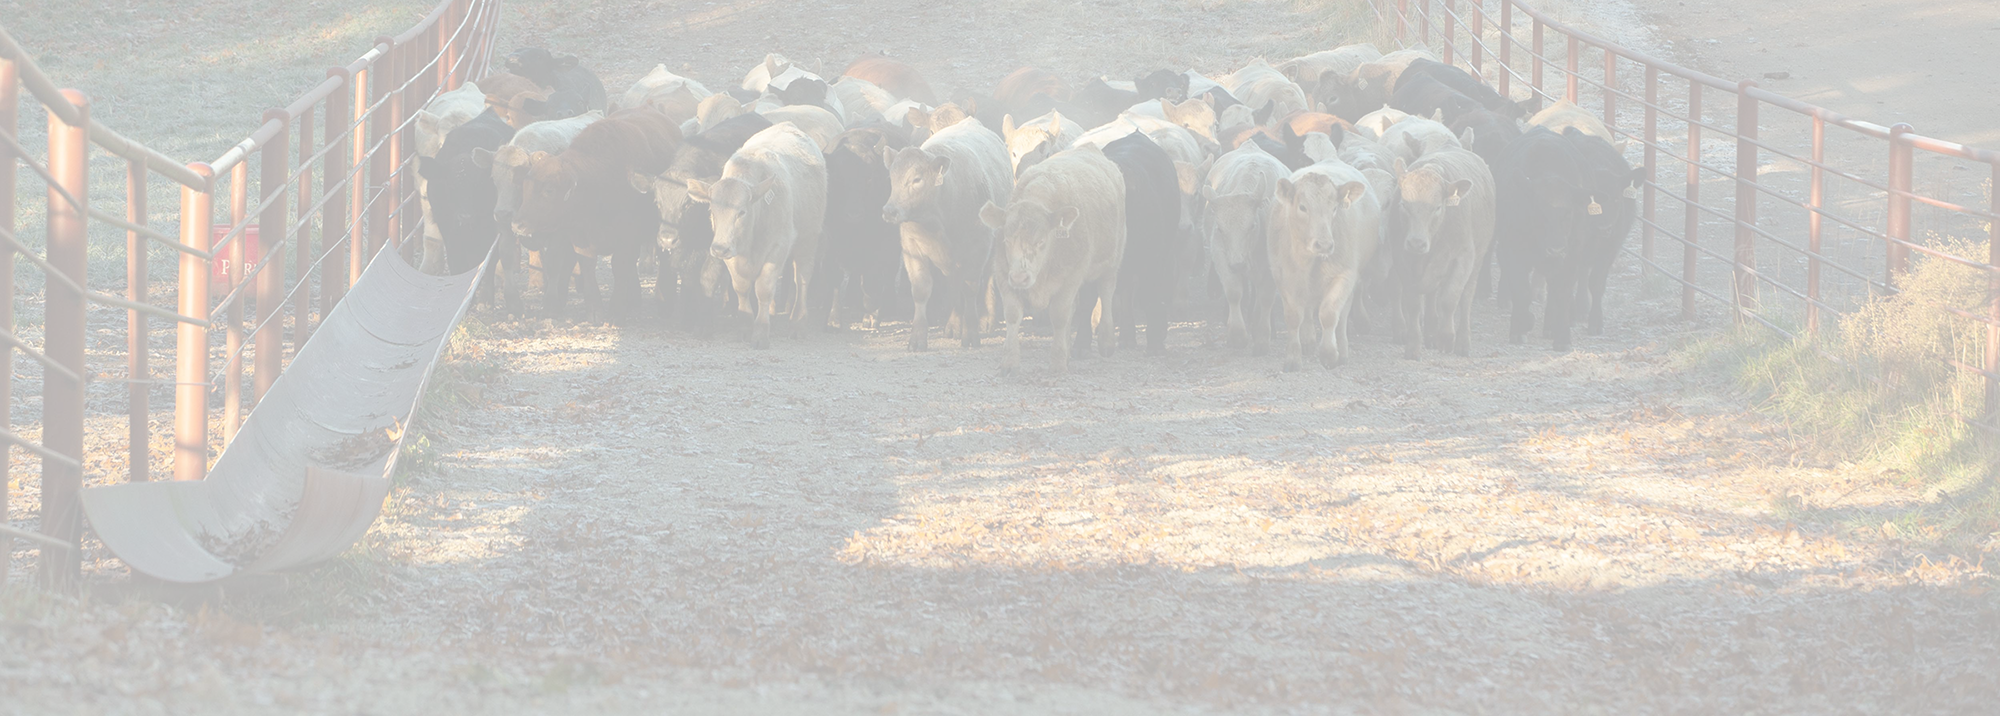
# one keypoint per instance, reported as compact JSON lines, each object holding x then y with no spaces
{"x":1911,"y":338}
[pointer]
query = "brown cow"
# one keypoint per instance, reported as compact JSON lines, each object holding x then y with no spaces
{"x":512,"y":96}
{"x":1021,"y":85}
{"x":896,"y":78}
{"x":583,"y":198}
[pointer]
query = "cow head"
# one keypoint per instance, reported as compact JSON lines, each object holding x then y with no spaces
{"x":734,"y":204}
{"x":1031,"y":144}
{"x":1352,"y":95}
{"x":1233,"y":225}
{"x":1309,"y":208}
{"x":518,"y":100}
{"x":539,"y":64}
{"x":547,"y":191}
{"x":716,"y":108}
{"x":1028,"y":229}
{"x":1195,"y":115}
{"x":1162,"y":84}
{"x":458,"y":193}
{"x":862,"y":183}
{"x":915,"y":177}
{"x":1424,"y":199}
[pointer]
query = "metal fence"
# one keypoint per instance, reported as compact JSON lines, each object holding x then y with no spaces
{"x":335,"y":185}
{"x":1816,"y":207}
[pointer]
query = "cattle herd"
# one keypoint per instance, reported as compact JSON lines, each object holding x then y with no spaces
{"x":1332,"y":194}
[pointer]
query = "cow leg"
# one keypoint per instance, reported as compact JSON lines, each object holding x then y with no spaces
{"x":1263,"y":300}
{"x":1410,"y":311}
{"x":1010,"y":354}
{"x":1233,"y":290}
{"x":1333,"y":322}
{"x":586,"y":282}
{"x":1127,"y":328}
{"x":1514,"y":291}
{"x":1107,"y":327}
{"x":666,"y":289}
{"x":1598,"y":277}
{"x":1159,"y":313}
{"x":1461,"y":338}
{"x":766,"y":286}
{"x":625,"y":291}
{"x":507,"y":269}
{"x":557,"y":262}
{"x":1295,"y":321}
{"x":921,"y":282}
{"x":1556,"y":321}
{"x":1063,"y":321}
{"x":1086,"y":311}
{"x":970,"y":319}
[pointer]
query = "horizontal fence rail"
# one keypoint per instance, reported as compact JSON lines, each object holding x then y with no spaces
{"x":333,"y":186}
{"x":1824,"y":220}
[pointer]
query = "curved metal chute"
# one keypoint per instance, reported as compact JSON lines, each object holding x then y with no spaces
{"x":307,"y":473}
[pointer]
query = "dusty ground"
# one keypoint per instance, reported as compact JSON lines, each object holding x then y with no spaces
{"x":636,"y":521}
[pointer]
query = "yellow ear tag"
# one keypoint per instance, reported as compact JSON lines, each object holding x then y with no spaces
{"x":1631,"y":192}
{"x":1595,"y":209}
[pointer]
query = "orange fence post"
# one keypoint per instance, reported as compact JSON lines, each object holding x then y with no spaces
{"x":1449,"y":30}
{"x":10,"y":102}
{"x":392,"y":178}
{"x":334,"y":219}
{"x":302,"y":297}
{"x":190,"y":340}
{"x":63,"y":333}
{"x":1540,"y":58}
{"x":1402,"y":19}
{"x":271,"y":226}
{"x":1476,"y":26}
{"x":232,"y":344}
{"x":1569,"y":66}
{"x":1691,"y":233}
{"x":1652,"y":160}
{"x":359,"y":221}
{"x":1814,"y":202}
{"x":1898,"y":253}
{"x":1610,"y":90}
{"x":1993,"y":301}
{"x":136,"y":344}
{"x":1745,"y":263}
{"x":378,"y":159}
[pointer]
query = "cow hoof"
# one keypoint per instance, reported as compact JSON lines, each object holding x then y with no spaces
{"x":1291,"y":366}
{"x":1515,"y":339}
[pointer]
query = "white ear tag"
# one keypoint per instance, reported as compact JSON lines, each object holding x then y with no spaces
{"x":1631,"y":192}
{"x":1595,"y":209}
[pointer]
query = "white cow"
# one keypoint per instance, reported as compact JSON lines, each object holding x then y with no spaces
{"x":767,"y":211}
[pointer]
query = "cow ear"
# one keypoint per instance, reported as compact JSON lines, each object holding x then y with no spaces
{"x":1066,"y":218}
{"x":1007,"y":126}
{"x":1286,"y":188}
{"x":993,"y":216}
{"x":1055,"y":123}
{"x":1188,"y":176}
{"x":426,"y":122}
{"x":1465,"y":138}
{"x":698,"y":190}
{"x":943,"y":164}
{"x":482,"y":158}
{"x":1167,"y":109}
{"x":917,"y":118}
{"x":427,"y":167}
{"x":888,"y":156}
{"x":1207,"y":193}
{"x":1459,"y":189}
{"x":537,"y":158}
{"x":1437,"y":115}
{"x":1207,"y":99}
{"x":1416,"y":147}
{"x":565,"y":62}
{"x":640,"y":182}
{"x":1351,"y":192}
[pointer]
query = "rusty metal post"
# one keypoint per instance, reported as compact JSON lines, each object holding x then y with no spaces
{"x":1449,"y":30}
{"x":394,"y":181}
{"x":190,"y":340}
{"x":139,"y":390}
{"x":10,"y":102}
{"x":1507,"y":48}
{"x":1813,"y":221}
{"x":63,"y":335}
{"x":1402,"y":19}
{"x":334,"y":220}
{"x":272,"y":223}
{"x":1476,"y":25}
{"x":1899,"y":204}
{"x":1569,"y":65}
{"x":1610,"y":90}
{"x":1540,"y":58}
{"x":359,"y":221}
{"x":1423,"y":22}
{"x":1691,"y":233}
{"x":232,"y":344}
{"x":378,"y":160}
{"x":1993,"y":300}
{"x":1652,"y":160}
{"x":302,"y":298}
{"x":1745,"y":262}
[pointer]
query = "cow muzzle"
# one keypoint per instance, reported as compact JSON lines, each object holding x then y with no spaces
{"x":892,"y":214}
{"x":521,"y":228}
{"x":1020,"y":280}
{"x":721,"y":252}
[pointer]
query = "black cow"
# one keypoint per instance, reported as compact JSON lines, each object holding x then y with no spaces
{"x":1162,"y":84}
{"x":1350,"y":97}
{"x":1221,"y":98}
{"x":1541,"y":229}
{"x":462,"y":193}
{"x":1485,"y":132}
{"x":1103,"y":99}
{"x":1294,"y":158}
{"x":859,"y":252}
{"x":575,"y":90}
{"x":1425,"y":97}
{"x":1152,"y":219}
{"x":685,"y":231}
{"x":1467,"y":85}
{"x":805,"y":91}
{"x":1614,"y":190}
